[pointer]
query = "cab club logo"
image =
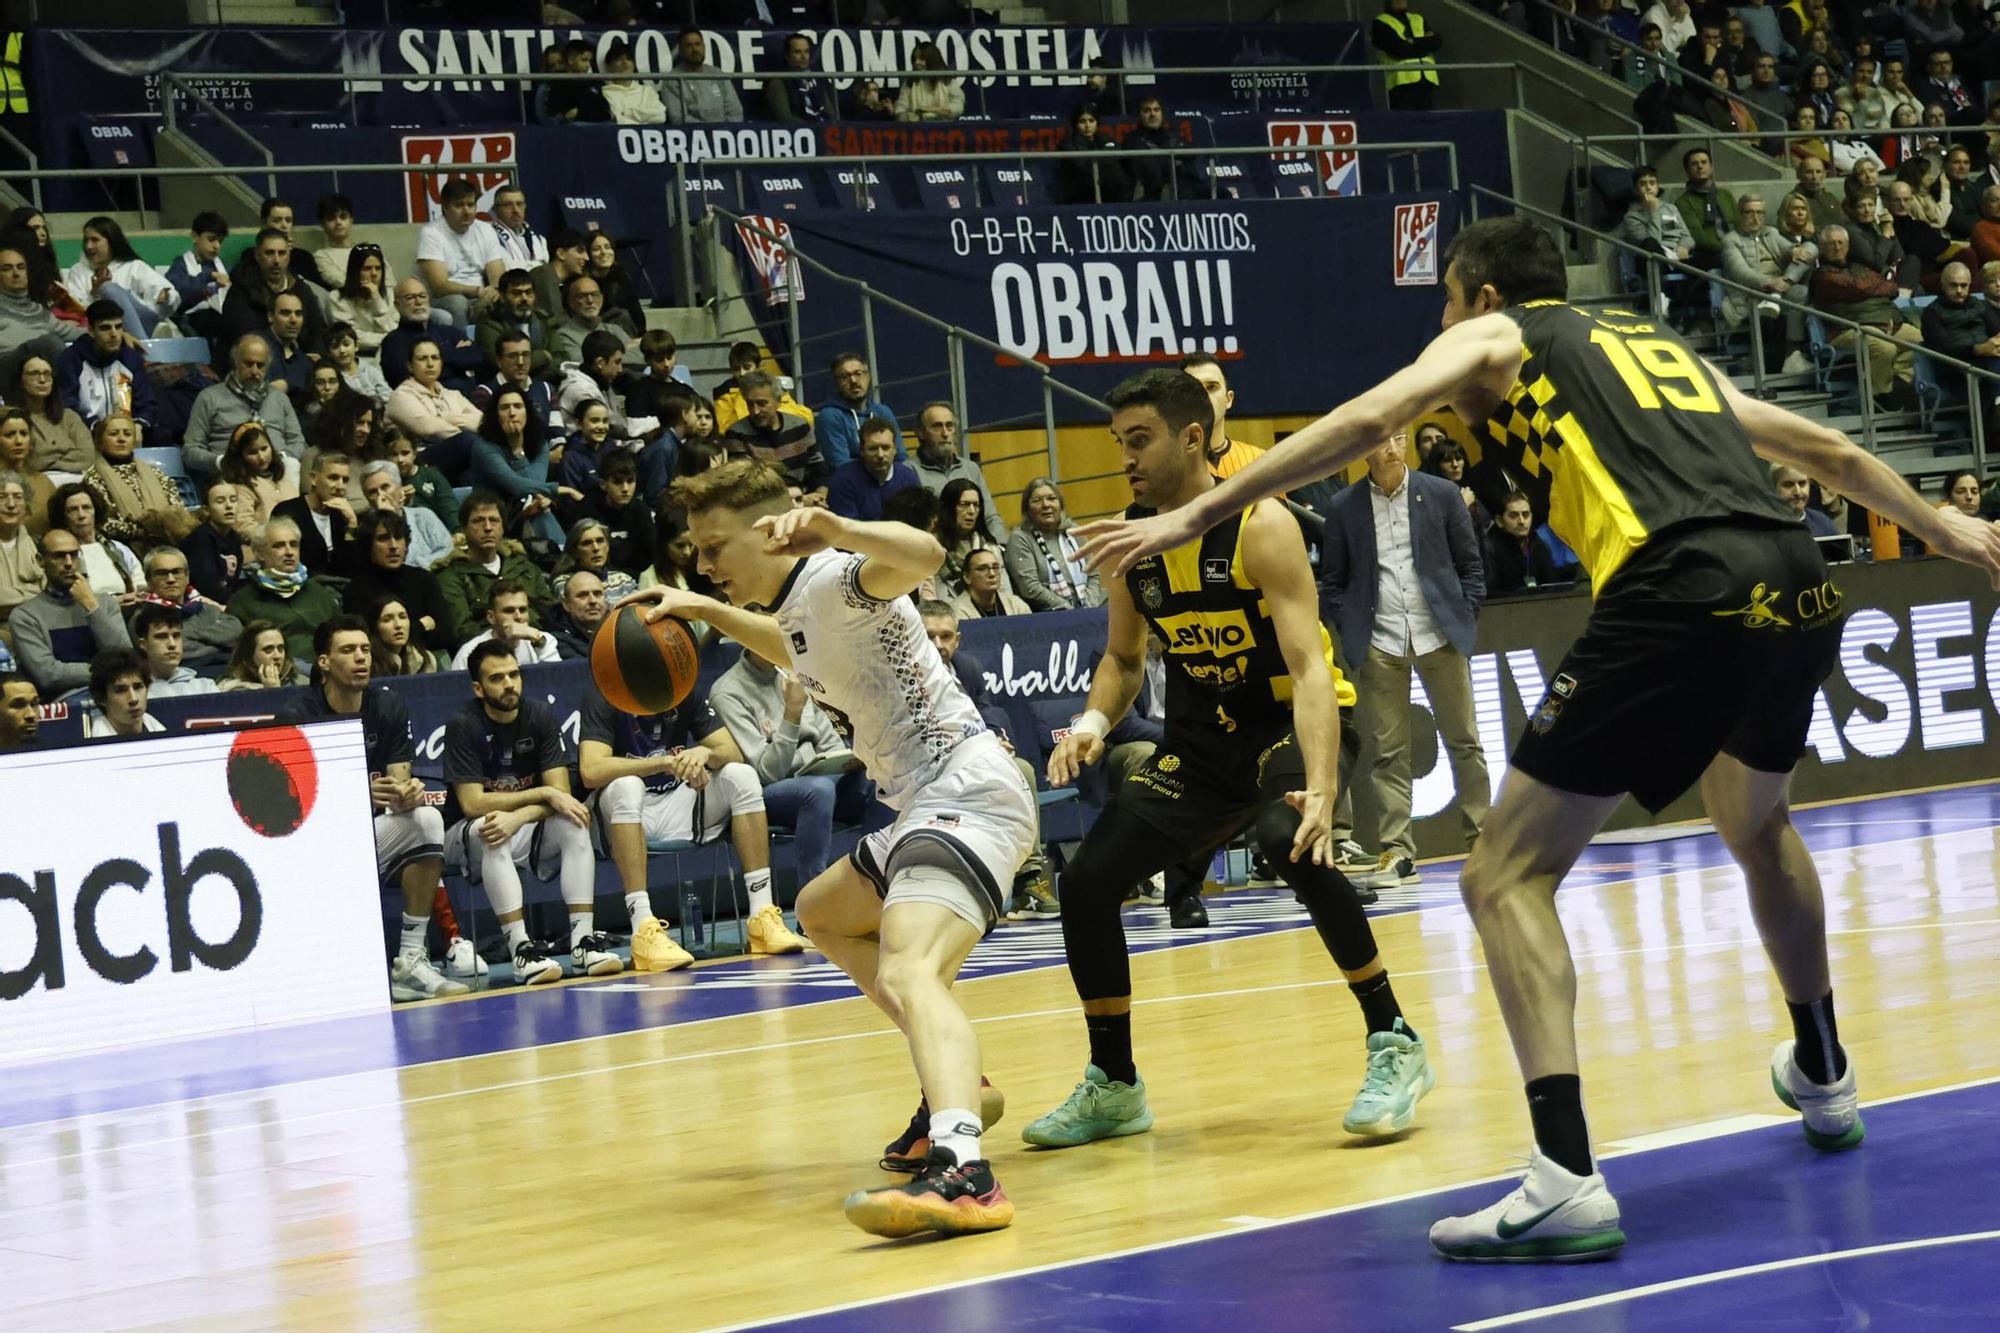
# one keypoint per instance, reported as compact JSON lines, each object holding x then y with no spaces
{"x":273,"y":782}
{"x":470,"y":151}
{"x":1339,"y":172}
{"x":1416,"y":245}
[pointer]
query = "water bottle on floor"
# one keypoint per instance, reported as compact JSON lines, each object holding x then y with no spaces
{"x":691,"y":919}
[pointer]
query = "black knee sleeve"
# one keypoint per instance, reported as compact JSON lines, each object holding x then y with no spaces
{"x":1329,"y":896}
{"x":1093,"y":889}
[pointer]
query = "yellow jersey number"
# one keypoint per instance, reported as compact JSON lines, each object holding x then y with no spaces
{"x":1657,"y":369}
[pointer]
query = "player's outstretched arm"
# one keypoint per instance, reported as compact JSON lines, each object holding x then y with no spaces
{"x":899,"y":558}
{"x":1274,"y":558}
{"x":753,"y":629}
{"x":1480,"y":353}
{"x":1835,"y":461}
{"x":1112,"y":689}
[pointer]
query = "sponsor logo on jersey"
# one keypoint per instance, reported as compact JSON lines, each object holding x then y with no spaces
{"x":1215,"y":569}
{"x":1213,"y":632}
{"x":1151,"y":594}
{"x":798,"y":641}
{"x":1416,"y":248}
{"x":1563,"y":685}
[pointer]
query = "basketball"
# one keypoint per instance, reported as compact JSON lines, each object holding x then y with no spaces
{"x":644,"y":668}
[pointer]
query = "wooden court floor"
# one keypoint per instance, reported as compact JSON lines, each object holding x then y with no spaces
{"x":691,"y":1176}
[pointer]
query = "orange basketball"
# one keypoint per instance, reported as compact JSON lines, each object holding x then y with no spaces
{"x":644,"y":668}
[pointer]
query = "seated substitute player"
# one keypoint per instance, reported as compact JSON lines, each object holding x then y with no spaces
{"x":1252,"y":741}
{"x":1713,"y":626}
{"x":901,"y":913}
{"x":676,"y":776}
{"x":503,"y":759}
{"x":409,"y":833}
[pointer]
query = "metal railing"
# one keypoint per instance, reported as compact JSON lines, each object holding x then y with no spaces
{"x":682,"y":211}
{"x":1584,"y":142}
{"x":957,"y":339}
{"x":1864,"y":334}
{"x":1132,"y":83}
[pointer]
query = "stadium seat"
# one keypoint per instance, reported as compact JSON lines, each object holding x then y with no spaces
{"x":175,"y":351}
{"x":169,"y":461}
{"x":1016,"y":184}
{"x":718,"y":858}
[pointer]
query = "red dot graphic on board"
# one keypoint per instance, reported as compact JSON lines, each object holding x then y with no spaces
{"x":273,"y":779}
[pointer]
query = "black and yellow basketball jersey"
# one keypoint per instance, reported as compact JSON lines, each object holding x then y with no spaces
{"x":1625,"y":432}
{"x":1224,"y":668}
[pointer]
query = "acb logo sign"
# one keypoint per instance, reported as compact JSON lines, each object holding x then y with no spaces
{"x":1321,"y":142}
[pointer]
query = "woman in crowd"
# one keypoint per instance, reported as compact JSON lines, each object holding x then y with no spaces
{"x":110,"y":270}
{"x":269,"y":477}
{"x":1961,"y":492}
{"x":632,"y":101}
{"x":440,"y":421}
{"x":346,"y":423}
{"x":621,"y":299}
{"x":932,"y":95}
{"x":511,"y":458}
{"x":16,"y":442}
{"x":1042,"y":554}
{"x":1447,"y":460}
{"x":362,"y":301}
{"x":1816,"y":91}
{"x":1089,"y":180}
{"x":674,"y":562}
{"x":398,"y":650}
{"x":962,"y":529}
{"x":261,"y":661}
{"x":108,"y":565}
{"x":1806,"y":119}
{"x":588,"y":547}
{"x":1795,"y":222}
{"x":384,"y":537}
{"x":27,"y":230}
{"x":1848,"y":150}
{"x":140,"y":504}
{"x":1871,"y":238}
{"x":61,"y":440}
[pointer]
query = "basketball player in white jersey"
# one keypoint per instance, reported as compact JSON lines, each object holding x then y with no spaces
{"x":830,"y":597}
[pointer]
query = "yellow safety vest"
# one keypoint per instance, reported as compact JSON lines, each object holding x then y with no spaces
{"x":1409,"y":27}
{"x":13,"y":88}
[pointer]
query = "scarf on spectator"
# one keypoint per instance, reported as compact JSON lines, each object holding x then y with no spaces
{"x":279,"y":585}
{"x":138,"y":491}
{"x":1063,"y":577}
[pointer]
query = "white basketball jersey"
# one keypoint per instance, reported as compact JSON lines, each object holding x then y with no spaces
{"x":870,"y":665}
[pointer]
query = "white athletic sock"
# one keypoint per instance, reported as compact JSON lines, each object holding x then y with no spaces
{"x":959,"y":1131}
{"x":416,"y":930}
{"x":640,"y":905}
{"x":579,"y":926}
{"x":758,"y":882}
{"x":503,"y":892}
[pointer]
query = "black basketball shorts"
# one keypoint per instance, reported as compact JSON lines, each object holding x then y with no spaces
{"x":1714,"y":642}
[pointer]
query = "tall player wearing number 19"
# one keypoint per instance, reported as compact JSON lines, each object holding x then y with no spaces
{"x":1713,"y":625}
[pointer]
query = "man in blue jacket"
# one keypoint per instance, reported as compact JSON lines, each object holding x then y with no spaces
{"x":101,"y":376}
{"x":838,"y":424}
{"x":1404,"y":581}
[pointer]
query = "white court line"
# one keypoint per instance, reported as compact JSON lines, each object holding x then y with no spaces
{"x":759,"y":1048}
{"x":1724,"y":1275}
{"x":1157,"y":1246}
{"x":1914,"y":819}
{"x":1710,"y":1129}
{"x":241,"y":1094}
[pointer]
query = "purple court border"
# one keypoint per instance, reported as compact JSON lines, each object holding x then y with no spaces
{"x":1690,"y":1211}
{"x":423,"y":1034}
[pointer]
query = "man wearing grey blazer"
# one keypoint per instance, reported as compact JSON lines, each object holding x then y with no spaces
{"x":1404,"y":580}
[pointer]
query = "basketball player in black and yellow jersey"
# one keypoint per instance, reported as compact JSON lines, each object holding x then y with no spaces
{"x":1252,"y":738}
{"x":1714,"y":624}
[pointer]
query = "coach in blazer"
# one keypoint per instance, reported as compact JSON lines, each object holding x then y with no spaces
{"x":1403,"y":577}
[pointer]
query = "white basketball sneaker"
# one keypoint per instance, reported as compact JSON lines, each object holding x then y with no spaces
{"x":1831,"y":1111}
{"x":1552,"y":1217}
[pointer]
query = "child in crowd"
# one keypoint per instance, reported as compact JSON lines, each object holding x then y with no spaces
{"x":343,"y":348}
{"x":269,"y":477}
{"x":200,"y":277}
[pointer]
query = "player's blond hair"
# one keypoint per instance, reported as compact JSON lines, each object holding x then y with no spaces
{"x":743,"y":485}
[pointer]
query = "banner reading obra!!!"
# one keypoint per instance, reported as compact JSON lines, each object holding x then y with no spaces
{"x":1306,"y":302}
